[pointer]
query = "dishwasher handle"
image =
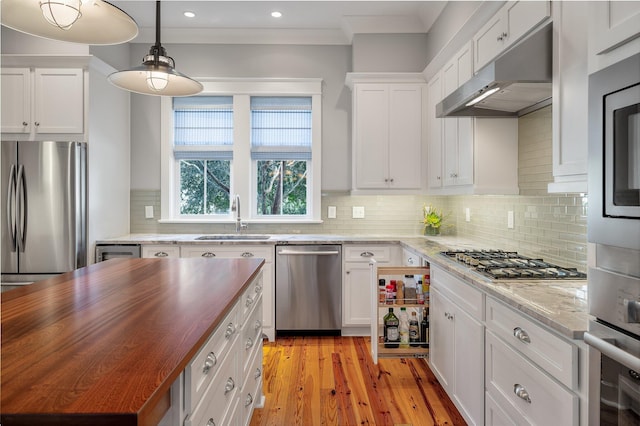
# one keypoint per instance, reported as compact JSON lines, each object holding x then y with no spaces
{"x":309,"y":252}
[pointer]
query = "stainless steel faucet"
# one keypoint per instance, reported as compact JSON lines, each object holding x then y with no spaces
{"x":235,"y":207}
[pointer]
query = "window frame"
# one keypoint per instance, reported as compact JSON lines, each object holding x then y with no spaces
{"x":243,"y":170}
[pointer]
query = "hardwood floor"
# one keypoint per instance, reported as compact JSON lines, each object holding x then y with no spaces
{"x":333,"y":381}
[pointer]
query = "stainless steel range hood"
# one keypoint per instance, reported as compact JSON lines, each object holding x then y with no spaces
{"x":517,"y":82}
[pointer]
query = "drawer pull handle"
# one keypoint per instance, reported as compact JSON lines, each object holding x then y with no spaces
{"x":410,"y":260}
{"x":258,"y":288}
{"x":161,"y":254}
{"x":248,"y":400}
{"x":211,"y":422}
{"x":258,"y":325}
{"x":521,"y":335}
{"x":210,"y":362}
{"x":247,"y":254}
{"x":366,"y":254}
{"x":521,"y":392}
{"x":229,"y":386}
{"x":208,"y":254}
{"x":448,"y":316}
{"x":258,"y":374}
{"x":249,"y":301}
{"x":249,"y":343}
{"x":230,"y":330}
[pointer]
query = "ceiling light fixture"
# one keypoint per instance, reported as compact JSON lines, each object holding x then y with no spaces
{"x":276,"y":14}
{"x":78,"y":21}
{"x":156,"y":75}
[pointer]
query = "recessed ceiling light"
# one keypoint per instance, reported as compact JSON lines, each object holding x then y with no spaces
{"x":276,"y":14}
{"x":189,"y":14}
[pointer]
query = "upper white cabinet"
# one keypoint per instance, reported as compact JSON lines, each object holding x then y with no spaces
{"x":570,"y":97}
{"x":614,"y":23}
{"x":41,"y":102}
{"x":512,"y":22}
{"x":434,"y":135}
{"x":388,"y":133}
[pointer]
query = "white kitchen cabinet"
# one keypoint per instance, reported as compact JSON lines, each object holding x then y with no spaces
{"x":249,"y":250}
{"x":434,"y":135}
{"x":43,"y":102}
{"x":570,"y":97}
{"x":510,"y":24}
{"x":613,"y":24}
{"x":456,"y":348}
{"x":409,"y":258}
{"x":356,"y":284}
{"x":388,"y":134}
{"x":160,"y":251}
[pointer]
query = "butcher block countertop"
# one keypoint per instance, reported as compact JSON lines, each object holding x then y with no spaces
{"x":102,"y":345}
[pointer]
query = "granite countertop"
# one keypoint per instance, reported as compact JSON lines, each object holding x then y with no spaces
{"x":559,"y":304}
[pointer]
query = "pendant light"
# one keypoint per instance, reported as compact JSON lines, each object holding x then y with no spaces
{"x":78,"y":21}
{"x":156,"y":75}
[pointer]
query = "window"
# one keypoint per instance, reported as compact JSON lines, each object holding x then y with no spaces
{"x":256,"y":138}
{"x":281,"y":141}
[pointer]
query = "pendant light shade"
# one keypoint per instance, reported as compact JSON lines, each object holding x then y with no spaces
{"x":78,"y":21}
{"x":156,"y":75}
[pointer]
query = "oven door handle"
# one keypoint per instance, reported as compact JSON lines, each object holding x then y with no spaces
{"x":612,"y":351}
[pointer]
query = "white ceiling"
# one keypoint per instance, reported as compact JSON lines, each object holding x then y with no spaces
{"x":302,"y":22}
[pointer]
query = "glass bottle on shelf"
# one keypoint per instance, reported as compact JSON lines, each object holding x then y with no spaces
{"x":414,"y":330}
{"x":424,"y":328}
{"x":404,"y":328}
{"x":391,"y":332}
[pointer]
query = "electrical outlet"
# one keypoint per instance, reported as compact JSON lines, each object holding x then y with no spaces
{"x":358,"y":212}
{"x":331,"y":212}
{"x":148,"y":212}
{"x":467,"y":214}
{"x":510,"y":224}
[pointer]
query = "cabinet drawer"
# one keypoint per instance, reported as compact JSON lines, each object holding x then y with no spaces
{"x":263,"y":251}
{"x":365,"y":253}
{"x":160,"y":251}
{"x":552,"y":353}
{"x":468,"y":298}
{"x":206,"y":364}
{"x":523,"y":390}
{"x":216,"y":402}
{"x":251,"y":392}
{"x":251,"y":336}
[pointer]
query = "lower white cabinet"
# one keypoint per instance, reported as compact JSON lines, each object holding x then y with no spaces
{"x":264,"y":251}
{"x":356,"y":284}
{"x":456,"y":342}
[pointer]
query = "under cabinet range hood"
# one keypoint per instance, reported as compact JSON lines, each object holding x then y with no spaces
{"x":517,"y":82}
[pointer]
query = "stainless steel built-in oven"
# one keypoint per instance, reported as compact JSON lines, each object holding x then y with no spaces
{"x":614,"y":228}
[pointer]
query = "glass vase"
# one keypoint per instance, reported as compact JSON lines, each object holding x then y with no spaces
{"x":430,"y":230}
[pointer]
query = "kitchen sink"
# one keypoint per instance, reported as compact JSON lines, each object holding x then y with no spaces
{"x":227,"y":237}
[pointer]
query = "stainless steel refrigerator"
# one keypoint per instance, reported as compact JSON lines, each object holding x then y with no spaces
{"x":43,"y":214}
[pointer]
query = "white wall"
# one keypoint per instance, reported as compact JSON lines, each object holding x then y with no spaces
{"x":331,"y":63}
{"x":389,"y":52}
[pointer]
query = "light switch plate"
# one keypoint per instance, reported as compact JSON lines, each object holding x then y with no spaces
{"x":510,"y":224}
{"x":358,"y":212}
{"x":148,"y":212}
{"x":467,"y":214}
{"x":331,"y":212}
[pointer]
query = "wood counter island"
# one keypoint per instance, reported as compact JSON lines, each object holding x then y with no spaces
{"x":133,"y":342}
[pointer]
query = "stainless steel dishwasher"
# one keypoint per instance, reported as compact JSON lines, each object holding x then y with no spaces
{"x":308,"y":289}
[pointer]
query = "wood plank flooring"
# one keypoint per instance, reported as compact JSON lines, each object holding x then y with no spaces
{"x":333,"y":381}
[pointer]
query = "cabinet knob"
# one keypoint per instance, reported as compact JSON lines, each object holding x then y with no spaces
{"x":257,"y":374}
{"x":229,"y":386}
{"x":210,"y":362}
{"x":438,"y":177}
{"x":37,"y":123}
{"x":208,"y":254}
{"x":410,"y":260}
{"x":391,"y":180}
{"x":521,"y":335}
{"x":161,"y":254}
{"x":521,"y":392}
{"x":249,"y":343}
{"x":24,"y":123}
{"x":230,"y":330}
{"x":386,"y":180}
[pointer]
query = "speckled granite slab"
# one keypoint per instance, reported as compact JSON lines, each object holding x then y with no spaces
{"x":559,"y":304}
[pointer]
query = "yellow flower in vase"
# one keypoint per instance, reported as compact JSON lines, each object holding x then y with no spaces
{"x":432,"y":220}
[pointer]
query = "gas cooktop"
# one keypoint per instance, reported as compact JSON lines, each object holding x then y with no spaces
{"x":498,"y":264}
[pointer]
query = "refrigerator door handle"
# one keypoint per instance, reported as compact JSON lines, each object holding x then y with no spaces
{"x":21,"y":209}
{"x":11,"y":207}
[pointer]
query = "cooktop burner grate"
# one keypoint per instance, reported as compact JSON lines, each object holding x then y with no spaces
{"x":500,"y":264}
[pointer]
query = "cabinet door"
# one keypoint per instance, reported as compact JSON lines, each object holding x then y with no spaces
{"x":405,"y":136}
{"x":614,"y":24}
{"x":570,"y":100}
{"x":434,"y":95}
{"x":450,"y":156}
{"x":16,"y":100}
{"x":465,"y":151}
{"x":441,"y":350}
{"x":468,"y":336}
{"x":488,"y":42}
{"x":371,"y":129}
{"x":523,"y":16}
{"x":59,"y":100}
{"x":356,"y":307}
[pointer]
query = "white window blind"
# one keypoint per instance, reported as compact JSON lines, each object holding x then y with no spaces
{"x":203,"y":127}
{"x":281,"y":128}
